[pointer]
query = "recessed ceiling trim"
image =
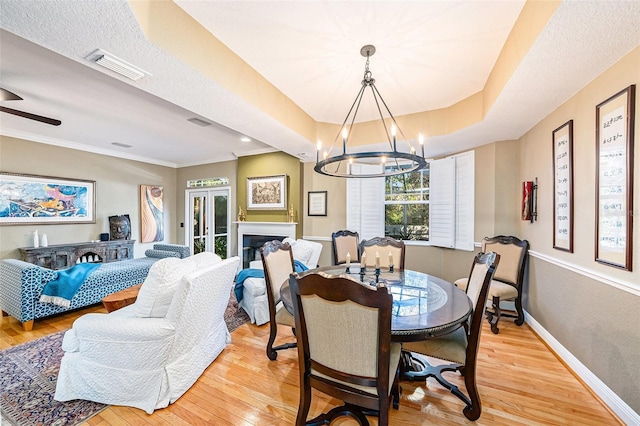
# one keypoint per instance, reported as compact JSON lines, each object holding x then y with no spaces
{"x":117,"y":65}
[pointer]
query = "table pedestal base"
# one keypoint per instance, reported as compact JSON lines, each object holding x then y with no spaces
{"x":416,"y":366}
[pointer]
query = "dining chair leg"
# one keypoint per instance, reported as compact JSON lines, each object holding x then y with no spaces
{"x":304,"y":404}
{"x":474,"y":407}
{"x":520,"y":312}
{"x":271,"y":350}
{"x":494,"y":316}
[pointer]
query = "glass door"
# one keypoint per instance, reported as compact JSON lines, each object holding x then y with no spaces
{"x":208,"y":219}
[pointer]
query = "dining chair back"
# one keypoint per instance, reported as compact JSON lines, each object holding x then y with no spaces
{"x":386,"y":248}
{"x":461,"y":346}
{"x":344,"y":242}
{"x":508,"y":280}
{"x":277,"y":262}
{"x":339,"y":356}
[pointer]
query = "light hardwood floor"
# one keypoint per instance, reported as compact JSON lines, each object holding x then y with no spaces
{"x":520,"y":381}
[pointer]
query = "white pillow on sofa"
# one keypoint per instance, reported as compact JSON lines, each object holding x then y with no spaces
{"x":204,"y":259}
{"x":160,"y":285}
{"x":304,"y":251}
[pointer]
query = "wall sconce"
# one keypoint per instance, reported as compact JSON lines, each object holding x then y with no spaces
{"x":530,"y":200}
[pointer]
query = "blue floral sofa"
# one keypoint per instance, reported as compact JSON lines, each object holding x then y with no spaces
{"x":21,"y":283}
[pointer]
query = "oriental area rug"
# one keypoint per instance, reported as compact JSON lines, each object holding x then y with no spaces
{"x":28,"y":374}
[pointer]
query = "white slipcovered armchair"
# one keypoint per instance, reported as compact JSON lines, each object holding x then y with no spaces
{"x":254,"y":294}
{"x":147,"y":355}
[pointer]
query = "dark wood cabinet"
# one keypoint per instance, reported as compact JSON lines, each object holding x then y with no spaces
{"x":61,"y":256}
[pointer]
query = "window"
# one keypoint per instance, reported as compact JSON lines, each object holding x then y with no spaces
{"x":434,"y":204}
{"x":406,"y":205}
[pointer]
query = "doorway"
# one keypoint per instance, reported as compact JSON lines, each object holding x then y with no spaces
{"x":208,"y":217}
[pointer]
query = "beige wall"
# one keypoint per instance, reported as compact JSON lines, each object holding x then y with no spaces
{"x":592,"y":318}
{"x":117,"y":192}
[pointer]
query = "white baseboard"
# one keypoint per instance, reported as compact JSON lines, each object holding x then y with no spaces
{"x":612,"y":400}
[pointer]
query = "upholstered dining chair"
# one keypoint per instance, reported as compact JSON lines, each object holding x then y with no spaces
{"x":344,"y":242}
{"x":383,"y":246}
{"x":277,"y":262}
{"x":337,"y":354}
{"x":508,"y":279}
{"x":461,"y":346}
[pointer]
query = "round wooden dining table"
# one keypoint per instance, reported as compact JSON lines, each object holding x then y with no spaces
{"x":424,"y":306}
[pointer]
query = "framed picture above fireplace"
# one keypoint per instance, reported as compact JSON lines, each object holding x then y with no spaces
{"x":267,"y":193}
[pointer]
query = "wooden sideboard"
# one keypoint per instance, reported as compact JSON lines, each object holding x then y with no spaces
{"x":61,"y":256}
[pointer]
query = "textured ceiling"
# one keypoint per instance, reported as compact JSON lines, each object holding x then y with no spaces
{"x":430,"y":55}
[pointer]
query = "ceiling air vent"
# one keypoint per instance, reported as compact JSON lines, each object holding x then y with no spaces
{"x":199,"y":122}
{"x":117,"y":65}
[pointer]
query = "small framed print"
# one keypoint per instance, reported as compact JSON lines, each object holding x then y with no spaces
{"x":614,"y":179}
{"x":317,"y":203}
{"x":563,"y":187}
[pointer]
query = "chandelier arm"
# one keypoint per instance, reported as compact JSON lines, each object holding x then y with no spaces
{"x":392,"y":147}
{"x":357,"y":101}
{"x":384,"y":124}
{"x":393,"y":118}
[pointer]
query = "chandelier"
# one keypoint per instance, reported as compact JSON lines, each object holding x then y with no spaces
{"x":341,"y":165}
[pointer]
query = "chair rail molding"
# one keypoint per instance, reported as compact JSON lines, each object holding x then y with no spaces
{"x":627,"y":286}
{"x":610,"y":398}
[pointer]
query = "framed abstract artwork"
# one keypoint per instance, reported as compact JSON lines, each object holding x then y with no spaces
{"x":267,"y":193}
{"x":614,"y":179}
{"x":41,"y":200}
{"x":151,"y":213}
{"x":563,"y":187}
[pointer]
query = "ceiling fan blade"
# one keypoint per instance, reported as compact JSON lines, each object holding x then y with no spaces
{"x":6,"y":95}
{"x":35,"y":117}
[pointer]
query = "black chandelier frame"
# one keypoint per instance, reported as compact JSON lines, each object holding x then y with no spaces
{"x":410,"y":161}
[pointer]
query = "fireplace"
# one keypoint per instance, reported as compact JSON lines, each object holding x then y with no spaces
{"x":253,"y":235}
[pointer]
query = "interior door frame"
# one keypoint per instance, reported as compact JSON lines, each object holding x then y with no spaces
{"x":188,"y":226}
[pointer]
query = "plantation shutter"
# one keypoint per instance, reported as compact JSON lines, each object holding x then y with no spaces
{"x":442,"y":197}
{"x":465,"y":199}
{"x":365,"y":202}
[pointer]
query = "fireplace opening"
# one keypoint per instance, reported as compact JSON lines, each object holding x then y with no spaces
{"x":251,"y":246}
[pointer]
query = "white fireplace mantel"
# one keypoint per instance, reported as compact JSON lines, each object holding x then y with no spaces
{"x":276,"y":229}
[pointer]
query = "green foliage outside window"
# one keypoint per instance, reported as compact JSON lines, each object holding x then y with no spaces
{"x":221,"y":247}
{"x":407,"y":205}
